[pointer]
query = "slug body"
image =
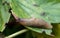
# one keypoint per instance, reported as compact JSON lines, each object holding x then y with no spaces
{"x":35,"y":23}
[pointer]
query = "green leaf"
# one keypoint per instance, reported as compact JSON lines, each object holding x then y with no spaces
{"x":48,"y":32}
{"x":44,"y":9}
{"x":39,"y":30}
{"x":48,"y":10}
{"x":36,"y":29}
{"x":4,"y":15}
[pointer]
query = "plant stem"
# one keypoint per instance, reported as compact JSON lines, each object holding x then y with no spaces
{"x":17,"y":33}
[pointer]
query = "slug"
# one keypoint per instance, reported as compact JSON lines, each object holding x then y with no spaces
{"x":35,"y":22}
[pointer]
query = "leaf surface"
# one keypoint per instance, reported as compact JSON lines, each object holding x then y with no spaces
{"x":4,"y":15}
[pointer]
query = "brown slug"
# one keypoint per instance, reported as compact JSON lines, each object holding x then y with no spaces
{"x":35,"y":22}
